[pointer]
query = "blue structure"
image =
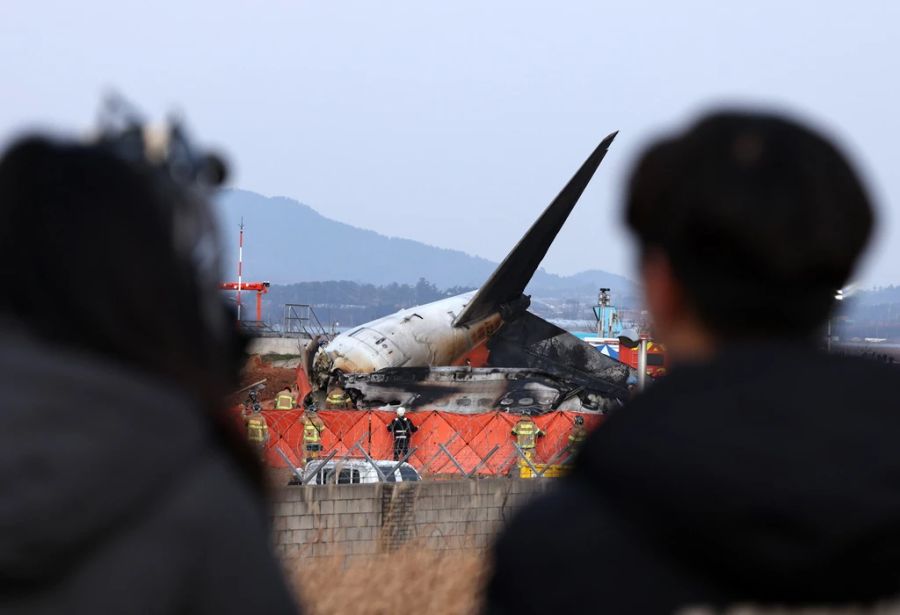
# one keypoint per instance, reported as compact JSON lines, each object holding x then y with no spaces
{"x":605,"y":339}
{"x":608,"y":324}
{"x":610,"y":350}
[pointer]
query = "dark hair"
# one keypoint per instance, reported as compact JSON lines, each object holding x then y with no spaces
{"x":106,"y":256}
{"x":761,"y":219}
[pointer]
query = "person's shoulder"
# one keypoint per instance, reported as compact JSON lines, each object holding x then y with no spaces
{"x":549,"y":526}
{"x":779,"y":370}
{"x":877,"y":372}
{"x":565,"y":548}
{"x":235,"y":569}
{"x":568,"y":499}
{"x":215,"y":498}
{"x":571,"y":522}
{"x":830,"y":381}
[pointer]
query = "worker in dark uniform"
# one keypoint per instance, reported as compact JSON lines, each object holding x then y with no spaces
{"x":577,"y":436}
{"x":251,"y":404}
{"x":402,"y":429}
{"x":312,"y":434}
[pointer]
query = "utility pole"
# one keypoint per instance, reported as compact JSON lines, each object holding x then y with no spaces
{"x":642,"y":364}
{"x":240,"y":268}
{"x":631,"y":338}
{"x":838,"y":297}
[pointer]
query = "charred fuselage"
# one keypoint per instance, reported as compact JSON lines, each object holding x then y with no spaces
{"x":423,"y":356}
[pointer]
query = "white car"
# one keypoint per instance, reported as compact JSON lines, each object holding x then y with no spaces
{"x":355,"y":471}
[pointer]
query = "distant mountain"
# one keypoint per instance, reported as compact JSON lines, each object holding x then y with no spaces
{"x":291,"y":242}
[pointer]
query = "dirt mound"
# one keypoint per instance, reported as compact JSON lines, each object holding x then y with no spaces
{"x":277,"y":378}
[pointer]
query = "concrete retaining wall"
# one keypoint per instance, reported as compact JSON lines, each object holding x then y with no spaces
{"x":376,"y":518}
{"x":277,"y":345}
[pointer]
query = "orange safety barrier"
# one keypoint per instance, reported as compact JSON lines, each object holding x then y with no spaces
{"x":469,"y":438}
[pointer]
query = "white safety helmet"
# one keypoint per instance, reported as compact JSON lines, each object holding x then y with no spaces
{"x":401,"y":411}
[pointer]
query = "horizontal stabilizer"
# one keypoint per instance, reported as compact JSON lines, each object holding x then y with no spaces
{"x":509,"y":280}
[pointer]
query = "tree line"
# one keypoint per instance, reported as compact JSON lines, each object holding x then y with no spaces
{"x":352,"y":303}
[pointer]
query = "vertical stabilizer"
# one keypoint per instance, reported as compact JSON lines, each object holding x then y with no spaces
{"x":509,"y":280}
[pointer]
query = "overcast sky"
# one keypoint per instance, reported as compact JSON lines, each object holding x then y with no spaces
{"x":456,"y":122}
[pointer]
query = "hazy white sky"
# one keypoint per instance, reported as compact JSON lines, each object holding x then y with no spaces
{"x":454,"y":123}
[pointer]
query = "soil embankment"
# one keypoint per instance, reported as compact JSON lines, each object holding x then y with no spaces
{"x":277,"y":378}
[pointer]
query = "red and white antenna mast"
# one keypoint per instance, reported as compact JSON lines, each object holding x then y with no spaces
{"x":240,"y":268}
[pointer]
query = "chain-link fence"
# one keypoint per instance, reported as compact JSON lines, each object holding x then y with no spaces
{"x":444,"y":444}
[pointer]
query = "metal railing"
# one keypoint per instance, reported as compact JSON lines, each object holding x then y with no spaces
{"x":258,"y":328}
{"x":301,"y":319}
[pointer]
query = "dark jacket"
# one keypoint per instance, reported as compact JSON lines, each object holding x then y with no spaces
{"x":115,"y":498}
{"x":402,"y":427}
{"x":771,"y":475}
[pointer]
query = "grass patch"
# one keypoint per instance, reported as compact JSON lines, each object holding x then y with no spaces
{"x":274,"y":356}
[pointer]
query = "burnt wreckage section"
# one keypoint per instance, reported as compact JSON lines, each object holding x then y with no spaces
{"x":534,"y":367}
{"x":524,"y":364}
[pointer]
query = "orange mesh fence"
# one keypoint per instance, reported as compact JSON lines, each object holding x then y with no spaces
{"x":484,"y":441}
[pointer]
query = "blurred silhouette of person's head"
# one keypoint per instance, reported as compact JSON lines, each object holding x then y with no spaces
{"x":110,"y":257}
{"x":116,"y":354}
{"x":112,"y":252}
{"x":759,"y":470}
{"x":747,"y":225}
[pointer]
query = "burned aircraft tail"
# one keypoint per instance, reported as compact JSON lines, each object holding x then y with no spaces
{"x":509,"y":280}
